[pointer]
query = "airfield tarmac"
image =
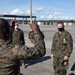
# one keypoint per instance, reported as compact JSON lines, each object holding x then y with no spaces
{"x":44,"y":65}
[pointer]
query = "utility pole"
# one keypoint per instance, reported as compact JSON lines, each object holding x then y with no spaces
{"x":30,"y":11}
{"x":53,"y":17}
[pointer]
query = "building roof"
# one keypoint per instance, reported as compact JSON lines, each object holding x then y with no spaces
{"x":16,"y":16}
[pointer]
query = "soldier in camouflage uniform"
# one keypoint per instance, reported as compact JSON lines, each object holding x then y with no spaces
{"x":18,"y":35}
{"x":18,"y":39}
{"x":10,"y":53}
{"x":61,"y":50}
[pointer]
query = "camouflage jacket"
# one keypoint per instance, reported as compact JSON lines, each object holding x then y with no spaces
{"x":9,"y":54}
{"x":62,"y":44}
{"x":18,"y":37}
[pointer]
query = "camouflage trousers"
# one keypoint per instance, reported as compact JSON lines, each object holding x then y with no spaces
{"x":59,"y":68}
{"x":23,"y":66}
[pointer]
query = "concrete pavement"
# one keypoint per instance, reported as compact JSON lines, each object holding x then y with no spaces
{"x":44,"y":65}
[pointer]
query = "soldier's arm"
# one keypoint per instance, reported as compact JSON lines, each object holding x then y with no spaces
{"x":24,"y":52}
{"x":53,"y":44}
{"x":69,"y":46}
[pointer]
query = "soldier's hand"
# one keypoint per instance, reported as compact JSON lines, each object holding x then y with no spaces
{"x":34,"y":27}
{"x":12,"y":23}
{"x":66,"y":57}
{"x":51,"y":55}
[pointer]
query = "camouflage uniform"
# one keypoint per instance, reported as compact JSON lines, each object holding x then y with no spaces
{"x":10,"y":53}
{"x":60,"y":49}
{"x":18,"y":37}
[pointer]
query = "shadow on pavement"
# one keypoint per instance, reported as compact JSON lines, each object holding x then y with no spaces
{"x":32,"y":62}
{"x":72,"y":70}
{"x":73,"y":67}
{"x":72,"y":74}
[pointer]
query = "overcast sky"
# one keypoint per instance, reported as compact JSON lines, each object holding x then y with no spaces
{"x":43,"y":9}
